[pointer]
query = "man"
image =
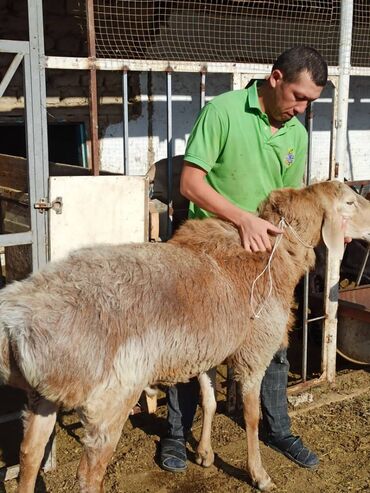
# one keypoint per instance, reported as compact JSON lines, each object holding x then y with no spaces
{"x":245,"y":144}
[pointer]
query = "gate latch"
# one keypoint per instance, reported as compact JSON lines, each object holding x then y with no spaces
{"x":43,"y":205}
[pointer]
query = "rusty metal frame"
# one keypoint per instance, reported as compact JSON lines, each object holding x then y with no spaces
{"x":93,"y":91}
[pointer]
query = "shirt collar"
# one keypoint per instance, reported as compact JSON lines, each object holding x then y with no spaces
{"x":253,"y":103}
{"x":252,"y":98}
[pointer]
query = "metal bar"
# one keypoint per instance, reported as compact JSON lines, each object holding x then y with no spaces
{"x":333,"y":134}
{"x":364,"y":71}
{"x":36,"y":133}
{"x":346,"y":17}
{"x":309,"y":127}
{"x":364,"y":262}
{"x":10,"y":72}
{"x":126,"y":170}
{"x":169,"y":152}
{"x":10,"y":46}
{"x":12,"y":239}
{"x":323,"y":317}
{"x":119,"y":64}
{"x":83,"y":144}
{"x":202,"y":88}
{"x":305,"y":326}
{"x":6,"y":418}
{"x":236,"y":81}
{"x":298,"y":387}
{"x":93,"y":101}
{"x":358,"y":183}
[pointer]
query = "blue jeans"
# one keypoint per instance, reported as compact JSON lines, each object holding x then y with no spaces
{"x":182,"y":401}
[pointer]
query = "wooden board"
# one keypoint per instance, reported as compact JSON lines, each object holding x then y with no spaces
{"x":14,"y":171}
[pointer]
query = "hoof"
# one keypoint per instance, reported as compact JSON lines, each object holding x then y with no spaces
{"x":205,"y":460}
{"x":265,"y":485}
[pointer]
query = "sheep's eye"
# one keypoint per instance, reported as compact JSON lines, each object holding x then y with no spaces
{"x":350,"y":202}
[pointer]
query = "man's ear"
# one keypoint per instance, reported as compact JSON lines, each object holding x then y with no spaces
{"x":333,"y":234}
{"x":275,"y":77}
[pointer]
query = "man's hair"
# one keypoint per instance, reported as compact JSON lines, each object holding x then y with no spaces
{"x":300,"y":58}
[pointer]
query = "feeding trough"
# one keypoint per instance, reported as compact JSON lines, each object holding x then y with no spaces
{"x":353,"y":339}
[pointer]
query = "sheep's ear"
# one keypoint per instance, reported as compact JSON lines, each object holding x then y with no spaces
{"x":333,"y":234}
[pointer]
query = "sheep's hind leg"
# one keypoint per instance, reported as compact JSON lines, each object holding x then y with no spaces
{"x":38,"y":425}
{"x":103,"y":421}
{"x":257,"y":472}
{"x":204,"y":454}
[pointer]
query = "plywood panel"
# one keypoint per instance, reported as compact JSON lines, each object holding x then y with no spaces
{"x":97,"y":209}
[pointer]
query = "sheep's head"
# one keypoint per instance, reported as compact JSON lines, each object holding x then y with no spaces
{"x":346,"y":214}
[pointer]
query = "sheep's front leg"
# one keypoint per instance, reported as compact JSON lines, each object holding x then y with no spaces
{"x":38,"y":426}
{"x":258,"y":474}
{"x":205,"y":455}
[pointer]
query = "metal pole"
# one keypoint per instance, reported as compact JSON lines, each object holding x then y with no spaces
{"x":333,"y":264}
{"x":93,"y":101}
{"x":169,"y":151}
{"x":343,"y":84}
{"x":364,"y":262}
{"x":36,"y":132}
{"x":333,"y":134}
{"x":202,"y":88}
{"x":125,"y":122}
{"x":309,"y":127}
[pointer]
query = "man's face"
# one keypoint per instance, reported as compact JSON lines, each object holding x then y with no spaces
{"x":291,"y":98}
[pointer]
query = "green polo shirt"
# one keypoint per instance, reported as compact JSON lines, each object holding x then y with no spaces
{"x":232,"y":141}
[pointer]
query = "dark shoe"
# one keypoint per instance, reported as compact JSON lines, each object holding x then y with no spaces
{"x":173,"y":454}
{"x":293,"y":448}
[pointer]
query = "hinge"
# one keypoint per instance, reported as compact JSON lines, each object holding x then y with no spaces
{"x":43,"y":205}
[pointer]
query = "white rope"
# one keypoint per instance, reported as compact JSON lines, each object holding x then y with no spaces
{"x":282,"y":225}
{"x":285,"y":223}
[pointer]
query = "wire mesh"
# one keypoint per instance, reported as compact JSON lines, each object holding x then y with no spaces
{"x":361,"y":34}
{"x":216,"y":30}
{"x":244,"y":31}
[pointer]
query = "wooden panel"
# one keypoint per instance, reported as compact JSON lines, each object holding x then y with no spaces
{"x":97,"y":209}
{"x":14,"y":172}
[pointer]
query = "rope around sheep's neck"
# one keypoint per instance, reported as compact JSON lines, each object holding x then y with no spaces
{"x":283,"y":223}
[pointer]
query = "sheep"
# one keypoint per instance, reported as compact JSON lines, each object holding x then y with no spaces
{"x":91,"y":331}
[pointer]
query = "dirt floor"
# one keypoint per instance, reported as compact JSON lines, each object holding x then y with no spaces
{"x":336,"y":424}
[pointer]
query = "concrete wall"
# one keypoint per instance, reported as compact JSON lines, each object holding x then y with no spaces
{"x":143,"y":151}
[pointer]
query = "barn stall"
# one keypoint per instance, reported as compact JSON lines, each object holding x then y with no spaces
{"x":98,"y":99}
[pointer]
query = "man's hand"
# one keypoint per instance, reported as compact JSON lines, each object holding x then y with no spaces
{"x":254,"y":232}
{"x":252,"y":229}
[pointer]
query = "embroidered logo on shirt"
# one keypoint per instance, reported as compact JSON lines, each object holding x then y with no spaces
{"x":289,"y":158}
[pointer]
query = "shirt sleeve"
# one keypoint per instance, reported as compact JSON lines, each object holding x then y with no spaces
{"x":206,"y":139}
{"x":293,"y":176}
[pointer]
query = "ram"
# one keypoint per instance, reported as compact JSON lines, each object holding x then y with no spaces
{"x":92,"y":331}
